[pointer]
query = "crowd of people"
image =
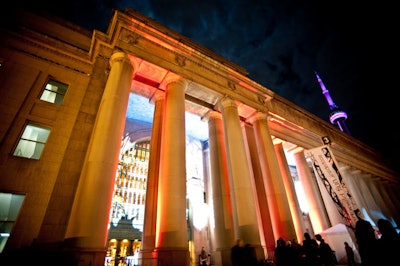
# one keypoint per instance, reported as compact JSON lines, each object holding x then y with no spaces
{"x":243,"y":254}
{"x":374,"y":251}
{"x":309,"y":253}
{"x":316,"y":252}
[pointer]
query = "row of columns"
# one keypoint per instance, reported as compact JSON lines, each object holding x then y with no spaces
{"x":377,"y":199}
{"x":243,"y":161}
{"x":237,"y":207}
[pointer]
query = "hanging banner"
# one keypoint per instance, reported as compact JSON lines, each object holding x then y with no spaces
{"x":327,"y":170}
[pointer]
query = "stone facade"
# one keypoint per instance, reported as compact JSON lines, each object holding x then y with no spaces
{"x":67,"y":192}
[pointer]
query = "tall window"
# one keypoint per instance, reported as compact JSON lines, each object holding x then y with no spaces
{"x":32,"y":141}
{"x":54,"y":92}
{"x":10,"y":205}
{"x":130,"y":188}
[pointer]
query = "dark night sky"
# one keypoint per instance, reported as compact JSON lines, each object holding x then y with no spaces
{"x":353,"y":47}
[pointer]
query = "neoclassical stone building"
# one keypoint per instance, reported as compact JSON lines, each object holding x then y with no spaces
{"x":64,"y":97}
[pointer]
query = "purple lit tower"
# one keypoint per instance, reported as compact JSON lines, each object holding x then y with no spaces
{"x":336,"y":116}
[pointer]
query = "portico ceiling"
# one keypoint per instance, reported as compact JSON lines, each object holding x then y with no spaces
{"x":199,"y":99}
{"x":147,"y":81}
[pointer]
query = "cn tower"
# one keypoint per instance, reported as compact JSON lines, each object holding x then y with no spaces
{"x":336,"y":116}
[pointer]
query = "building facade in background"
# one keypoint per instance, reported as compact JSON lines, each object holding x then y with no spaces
{"x":101,"y":165}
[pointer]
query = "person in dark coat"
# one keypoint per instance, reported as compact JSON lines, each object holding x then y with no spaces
{"x":251,"y":256}
{"x":389,"y":243}
{"x":238,"y":254}
{"x":350,"y":254}
{"x":285,"y":254}
{"x":310,"y":250}
{"x":367,"y":243}
{"x":280,"y":253}
{"x":325,"y":252}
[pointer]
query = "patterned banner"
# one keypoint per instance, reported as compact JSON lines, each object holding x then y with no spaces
{"x":327,"y":169}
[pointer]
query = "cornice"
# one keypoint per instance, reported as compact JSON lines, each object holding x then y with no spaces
{"x":154,"y":46}
{"x":157,"y":45}
{"x":42,"y":47}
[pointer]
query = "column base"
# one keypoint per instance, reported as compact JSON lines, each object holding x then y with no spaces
{"x":148,"y":258}
{"x":172,"y":256}
{"x":90,"y":257}
{"x":222,"y":256}
{"x":82,"y":255}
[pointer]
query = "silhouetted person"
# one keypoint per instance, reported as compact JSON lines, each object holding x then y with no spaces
{"x":310,"y":250}
{"x":325,"y":252}
{"x":238,"y":254}
{"x":389,"y":243}
{"x":280,"y":252}
{"x":250,"y":255}
{"x":293,"y":250}
{"x":350,"y":254}
{"x":367,"y":243}
{"x":285,"y":254}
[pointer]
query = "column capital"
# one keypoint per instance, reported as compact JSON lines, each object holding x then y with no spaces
{"x":119,"y":57}
{"x":173,"y":78}
{"x":256,"y":116}
{"x":211,"y":115}
{"x":157,"y":95}
{"x":225,"y":102}
{"x":297,"y":150}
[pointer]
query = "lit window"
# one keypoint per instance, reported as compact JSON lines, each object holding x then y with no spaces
{"x":9,"y":210}
{"x":54,"y":92}
{"x":32,"y":141}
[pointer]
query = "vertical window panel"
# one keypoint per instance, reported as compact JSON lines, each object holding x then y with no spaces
{"x":32,"y":142}
{"x":54,"y":92}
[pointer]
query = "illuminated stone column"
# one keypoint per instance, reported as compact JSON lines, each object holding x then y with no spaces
{"x":355,"y":178}
{"x":89,"y":223}
{"x":222,"y":231}
{"x":317,"y":212}
{"x":294,"y":205}
{"x":352,"y":184}
{"x":381,"y":210}
{"x":391,"y":192}
{"x":390,"y":199}
{"x":384,"y":202}
{"x":262,"y":204}
{"x":278,"y":203}
{"x":373,"y":209}
{"x":383,"y":206}
{"x":171,"y":233}
{"x":242,"y":192}
{"x":150,"y":214}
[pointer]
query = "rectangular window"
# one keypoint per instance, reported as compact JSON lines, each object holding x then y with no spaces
{"x":54,"y":92}
{"x":10,"y":204}
{"x":32,"y":141}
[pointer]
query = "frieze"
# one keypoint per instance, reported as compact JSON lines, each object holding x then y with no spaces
{"x":184,"y":58}
{"x":52,"y":61}
{"x":231,"y":85}
{"x":56,"y":52}
{"x":180,"y":60}
{"x":261,"y":99}
{"x":129,"y":37}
